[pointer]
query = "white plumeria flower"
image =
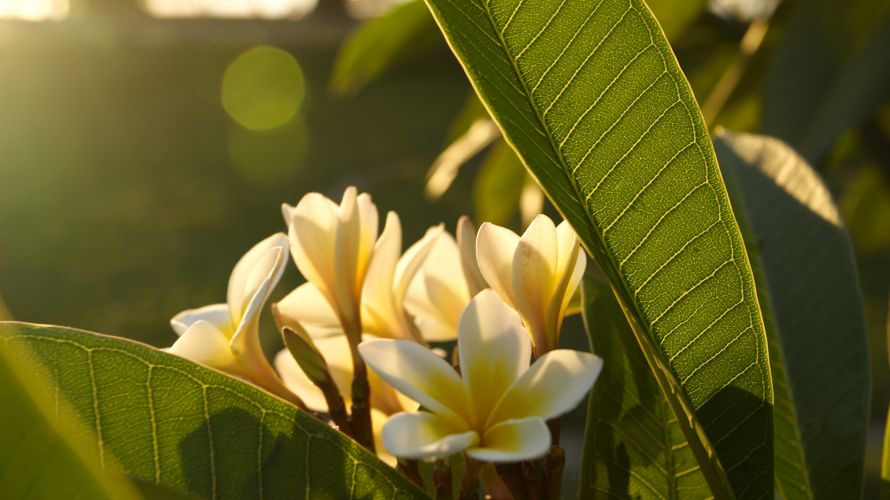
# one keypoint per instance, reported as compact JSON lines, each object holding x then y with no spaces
{"x":332,"y":247}
{"x":537,"y":273}
{"x":383,"y":310}
{"x":384,"y":400}
{"x":226,"y":336}
{"x":498,"y":408}
{"x":445,"y":284}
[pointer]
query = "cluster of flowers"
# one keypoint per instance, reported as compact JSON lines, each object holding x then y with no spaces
{"x":501,"y":295}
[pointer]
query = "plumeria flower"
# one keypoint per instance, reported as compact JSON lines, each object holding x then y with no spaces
{"x":384,"y":400}
{"x":226,"y":336}
{"x":445,"y":284}
{"x":537,"y":273}
{"x":386,"y":284}
{"x":332,"y":247}
{"x":497,"y":409}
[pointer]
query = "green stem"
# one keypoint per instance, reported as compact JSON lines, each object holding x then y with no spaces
{"x":554,"y":464}
{"x":363,"y":433}
{"x":724,"y":88}
{"x":337,"y":408}
{"x":469,"y":488}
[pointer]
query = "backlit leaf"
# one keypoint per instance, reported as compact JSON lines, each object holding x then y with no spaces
{"x":592,"y":99}
{"x":164,"y":419}
{"x":814,"y":316}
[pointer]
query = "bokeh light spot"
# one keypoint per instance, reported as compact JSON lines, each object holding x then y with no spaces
{"x":263,"y":88}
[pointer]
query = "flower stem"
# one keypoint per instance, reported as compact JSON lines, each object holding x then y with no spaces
{"x":337,"y":408}
{"x":554,"y":464}
{"x":361,"y":392}
{"x":469,"y":488}
{"x":724,"y":88}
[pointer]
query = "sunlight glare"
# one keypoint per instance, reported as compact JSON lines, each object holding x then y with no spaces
{"x":34,"y":10}
{"x":264,"y":9}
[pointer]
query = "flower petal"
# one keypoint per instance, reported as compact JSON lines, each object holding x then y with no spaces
{"x":438,"y":294}
{"x":412,"y":260}
{"x":466,"y":242}
{"x":495,"y":247}
{"x":570,"y":268}
{"x":255,"y":274}
{"x":566,"y":241}
{"x":513,"y":441}
{"x":378,"y":420}
{"x":534,"y":279}
{"x":554,"y":384}
{"x":311,"y":230}
{"x":419,"y":374}
{"x":369,"y":220}
{"x":571,"y":290}
{"x":308,"y":307}
{"x":204,"y":343}
{"x":494,"y":351}
{"x":217,"y":315}
{"x":379,"y":311}
{"x":250,"y":285}
{"x":345,"y":276}
{"x":424,"y":435}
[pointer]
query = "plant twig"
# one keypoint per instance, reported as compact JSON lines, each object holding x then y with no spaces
{"x":751,"y":41}
{"x":361,"y":392}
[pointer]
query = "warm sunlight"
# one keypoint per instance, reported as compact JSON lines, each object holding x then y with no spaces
{"x":33,"y":10}
{"x":265,"y":9}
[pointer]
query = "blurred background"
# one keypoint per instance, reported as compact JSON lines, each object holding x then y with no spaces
{"x":146,"y":145}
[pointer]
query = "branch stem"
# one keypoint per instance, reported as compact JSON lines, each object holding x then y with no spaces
{"x":722,"y":91}
{"x":361,"y":392}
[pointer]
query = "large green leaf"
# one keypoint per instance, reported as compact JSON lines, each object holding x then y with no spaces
{"x":164,"y":419}
{"x":41,"y":458}
{"x":634,"y":446}
{"x":592,"y":99}
{"x":815,"y":323}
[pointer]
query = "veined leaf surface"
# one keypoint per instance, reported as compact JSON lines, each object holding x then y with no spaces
{"x":634,"y":446}
{"x":41,"y":457}
{"x":592,"y":99}
{"x":164,"y":419}
{"x":814,"y":316}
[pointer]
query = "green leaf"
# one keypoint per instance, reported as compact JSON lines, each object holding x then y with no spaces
{"x":634,"y":446}
{"x":885,"y":460}
{"x":592,"y":99}
{"x":498,"y":185}
{"x":379,"y":43}
{"x":831,"y":70}
{"x":164,"y":419}
{"x":41,"y":457}
{"x":814,"y":315}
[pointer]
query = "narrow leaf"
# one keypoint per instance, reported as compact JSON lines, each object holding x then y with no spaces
{"x":164,"y":419}
{"x":634,"y":446}
{"x":594,"y":102}
{"x":380,"y":43}
{"x":814,"y":315}
{"x":498,"y":185}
